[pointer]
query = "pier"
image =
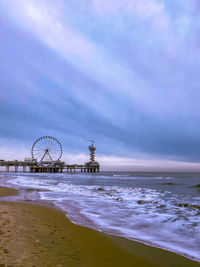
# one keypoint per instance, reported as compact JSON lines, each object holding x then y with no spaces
{"x":46,"y":155}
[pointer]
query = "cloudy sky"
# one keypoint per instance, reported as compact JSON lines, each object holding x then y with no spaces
{"x":122,"y":72}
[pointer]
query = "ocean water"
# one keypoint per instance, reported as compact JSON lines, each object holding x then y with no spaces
{"x":159,"y":209}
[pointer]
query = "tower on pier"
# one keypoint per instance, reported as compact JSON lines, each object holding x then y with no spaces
{"x":92,"y":165}
{"x":92,"y":149}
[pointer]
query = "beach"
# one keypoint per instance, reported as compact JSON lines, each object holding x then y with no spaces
{"x":36,"y":235}
{"x":157,"y":209}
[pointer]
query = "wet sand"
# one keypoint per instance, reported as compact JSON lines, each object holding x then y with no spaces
{"x":34,"y":235}
{"x":7,"y":191}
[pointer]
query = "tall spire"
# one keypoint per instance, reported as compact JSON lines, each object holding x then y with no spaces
{"x":92,"y":149}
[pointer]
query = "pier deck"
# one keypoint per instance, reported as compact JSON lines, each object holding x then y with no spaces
{"x":23,"y":166}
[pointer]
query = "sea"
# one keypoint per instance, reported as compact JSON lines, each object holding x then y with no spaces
{"x":158,"y":209}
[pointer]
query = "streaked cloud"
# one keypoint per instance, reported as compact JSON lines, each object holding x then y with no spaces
{"x":124,"y":73}
{"x":146,"y":9}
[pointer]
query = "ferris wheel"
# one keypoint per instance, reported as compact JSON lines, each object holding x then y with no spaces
{"x":46,"y":149}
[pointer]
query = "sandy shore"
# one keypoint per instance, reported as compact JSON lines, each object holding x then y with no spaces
{"x":33,"y":235}
{"x":7,"y":191}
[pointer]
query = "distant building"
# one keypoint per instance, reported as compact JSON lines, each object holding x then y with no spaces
{"x":28,"y":160}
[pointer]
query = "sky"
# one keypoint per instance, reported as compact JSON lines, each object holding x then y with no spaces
{"x":124,"y":73}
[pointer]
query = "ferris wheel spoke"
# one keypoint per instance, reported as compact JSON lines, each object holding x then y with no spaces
{"x":38,"y":152}
{"x":39,"y":149}
{"x":44,"y":145}
{"x":50,"y":141}
{"x":54,"y":152}
{"x":54,"y":144}
{"x":54,"y":149}
{"x":37,"y":155}
{"x":54,"y":155}
{"x":51,"y":147}
{"x":40,"y":145}
{"x":45,"y":141}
